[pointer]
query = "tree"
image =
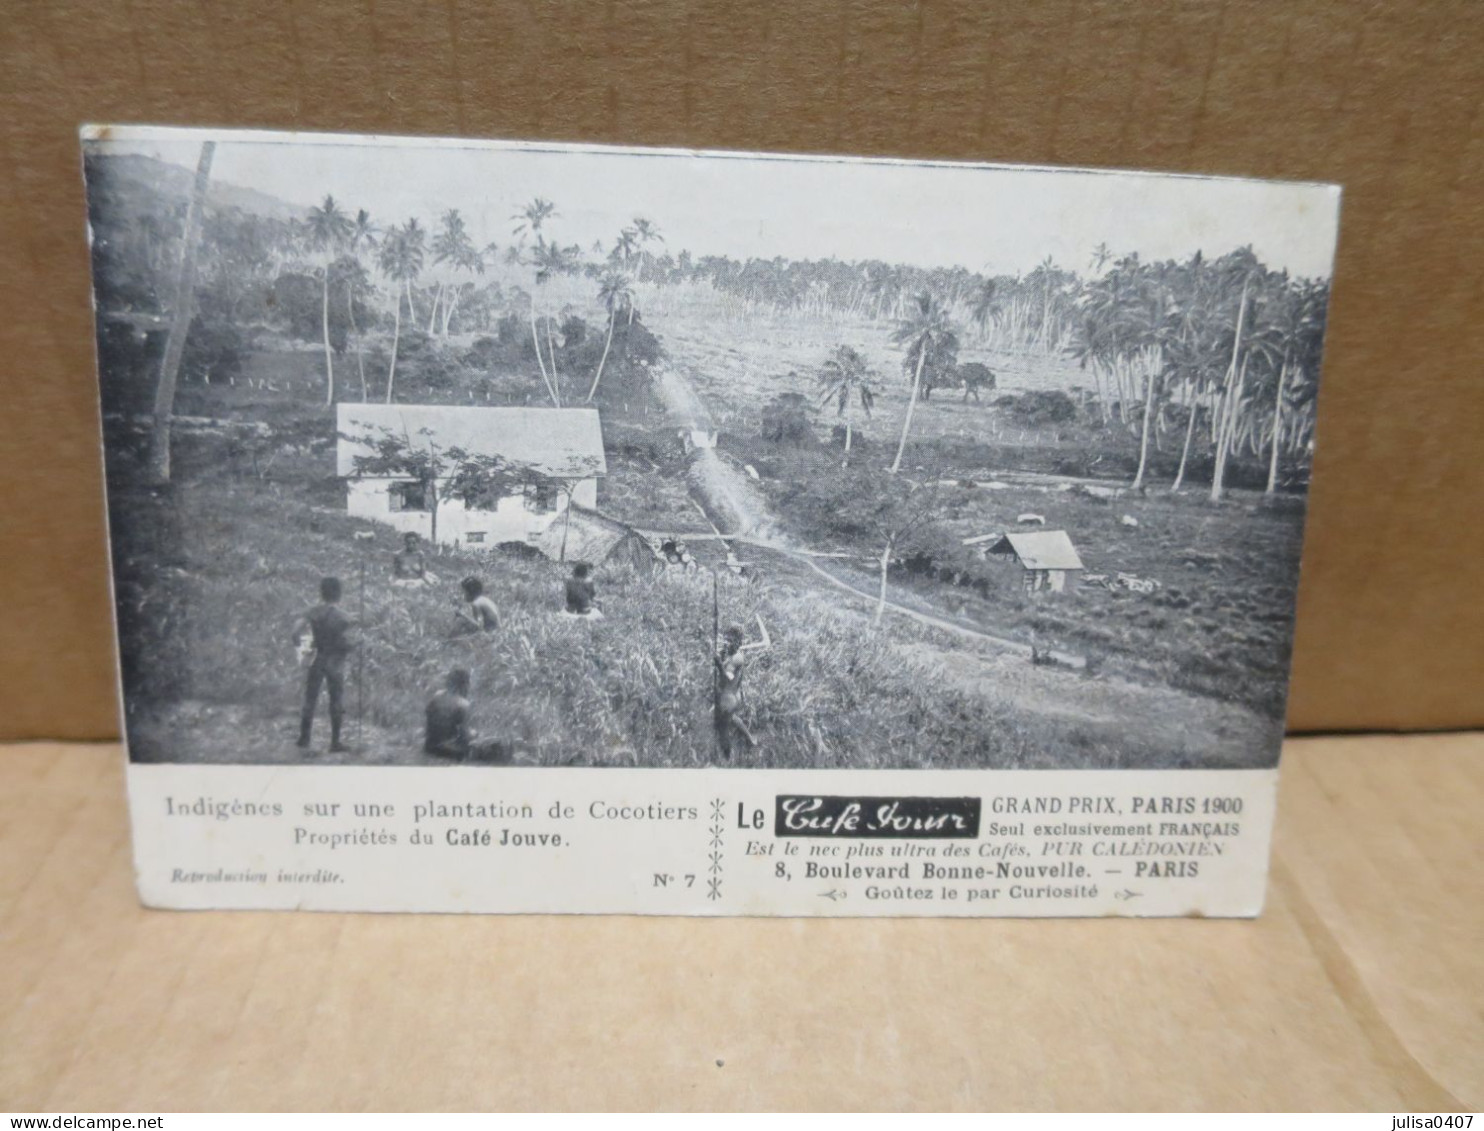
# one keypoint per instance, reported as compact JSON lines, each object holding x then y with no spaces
{"x":924,"y":334}
{"x":529,"y":221}
{"x":1241,"y":266}
{"x":615,"y":294}
{"x":985,"y":304}
{"x":645,"y":233}
{"x":1050,"y":281}
{"x":476,"y":479}
{"x":844,"y":378}
{"x":329,"y":229}
{"x":1299,"y":325}
{"x":1190,"y":349}
{"x":482,"y":480}
{"x":398,"y":455}
{"x":182,"y":308}
{"x":897,"y":511}
{"x":401,"y":261}
{"x":1148,"y":332}
{"x":454,"y":247}
{"x":239,"y":256}
{"x":625,"y":248}
{"x":551,"y":260}
{"x":361,"y":233}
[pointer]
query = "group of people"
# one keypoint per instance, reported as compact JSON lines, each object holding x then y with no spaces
{"x":476,"y":612}
{"x":327,"y":633}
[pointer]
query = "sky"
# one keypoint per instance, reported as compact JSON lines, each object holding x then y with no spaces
{"x":997,"y":219}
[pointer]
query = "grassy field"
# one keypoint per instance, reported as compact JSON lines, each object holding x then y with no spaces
{"x":1220,"y":623}
{"x":738,"y":363}
{"x":632,"y":689}
{"x":243,"y":556}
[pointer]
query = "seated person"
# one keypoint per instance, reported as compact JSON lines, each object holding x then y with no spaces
{"x":476,"y":613}
{"x":676,"y":553}
{"x":409,"y":565}
{"x":582,"y":594}
{"x":447,"y":732}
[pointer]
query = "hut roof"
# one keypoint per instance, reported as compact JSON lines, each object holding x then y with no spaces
{"x":561,"y":442}
{"x":593,"y":537}
{"x":1040,"y":549}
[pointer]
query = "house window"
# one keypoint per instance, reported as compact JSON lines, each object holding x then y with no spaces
{"x":541,"y":497}
{"x":407,"y":496}
{"x":474,"y":536}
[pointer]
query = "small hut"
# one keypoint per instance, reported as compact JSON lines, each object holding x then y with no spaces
{"x":696,"y":439}
{"x":597,"y":539}
{"x":1048,"y":558}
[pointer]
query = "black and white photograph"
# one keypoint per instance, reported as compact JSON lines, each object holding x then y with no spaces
{"x":427,"y":453}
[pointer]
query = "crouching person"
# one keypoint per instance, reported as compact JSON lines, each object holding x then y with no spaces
{"x":476,"y":613}
{"x":447,"y":733}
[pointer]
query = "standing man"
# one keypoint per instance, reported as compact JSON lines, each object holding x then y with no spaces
{"x":731,"y":662}
{"x":328,"y":629}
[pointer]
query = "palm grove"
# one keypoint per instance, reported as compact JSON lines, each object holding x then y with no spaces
{"x":1212,"y":358}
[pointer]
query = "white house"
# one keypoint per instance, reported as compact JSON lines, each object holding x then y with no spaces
{"x":564,"y":444}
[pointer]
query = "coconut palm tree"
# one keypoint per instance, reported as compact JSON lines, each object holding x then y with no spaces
{"x":1189,"y":356}
{"x":1047,"y":273}
{"x":528,"y":222}
{"x":452,"y":246}
{"x":1299,"y":325}
{"x":645,"y":233}
{"x":401,"y":260}
{"x":924,"y":333}
{"x":1242,"y":267}
{"x":350,"y":272}
{"x":1152,"y":324}
{"x":362,"y":233}
{"x":181,"y":310}
{"x":985,"y":304}
{"x":625,"y":248}
{"x":328,"y":230}
{"x":551,"y":260}
{"x":615,"y":294}
{"x":844,"y":378}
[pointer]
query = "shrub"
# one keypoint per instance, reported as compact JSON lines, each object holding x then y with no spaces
{"x":213,"y":349}
{"x":1040,"y":406}
{"x":786,"y":421}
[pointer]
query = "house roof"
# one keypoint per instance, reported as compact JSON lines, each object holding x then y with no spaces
{"x":1040,"y":549}
{"x":562,"y":442}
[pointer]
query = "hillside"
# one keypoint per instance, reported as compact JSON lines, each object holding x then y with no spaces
{"x":139,"y":175}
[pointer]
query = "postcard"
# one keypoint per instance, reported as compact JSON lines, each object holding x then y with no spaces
{"x":523,"y":527}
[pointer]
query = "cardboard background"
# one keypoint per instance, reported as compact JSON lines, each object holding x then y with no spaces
{"x":1383,"y":99}
{"x":1360,"y":988}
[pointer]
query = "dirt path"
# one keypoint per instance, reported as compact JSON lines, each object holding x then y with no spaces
{"x":733,"y":503}
{"x":954,"y":626}
{"x":986,"y":664}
